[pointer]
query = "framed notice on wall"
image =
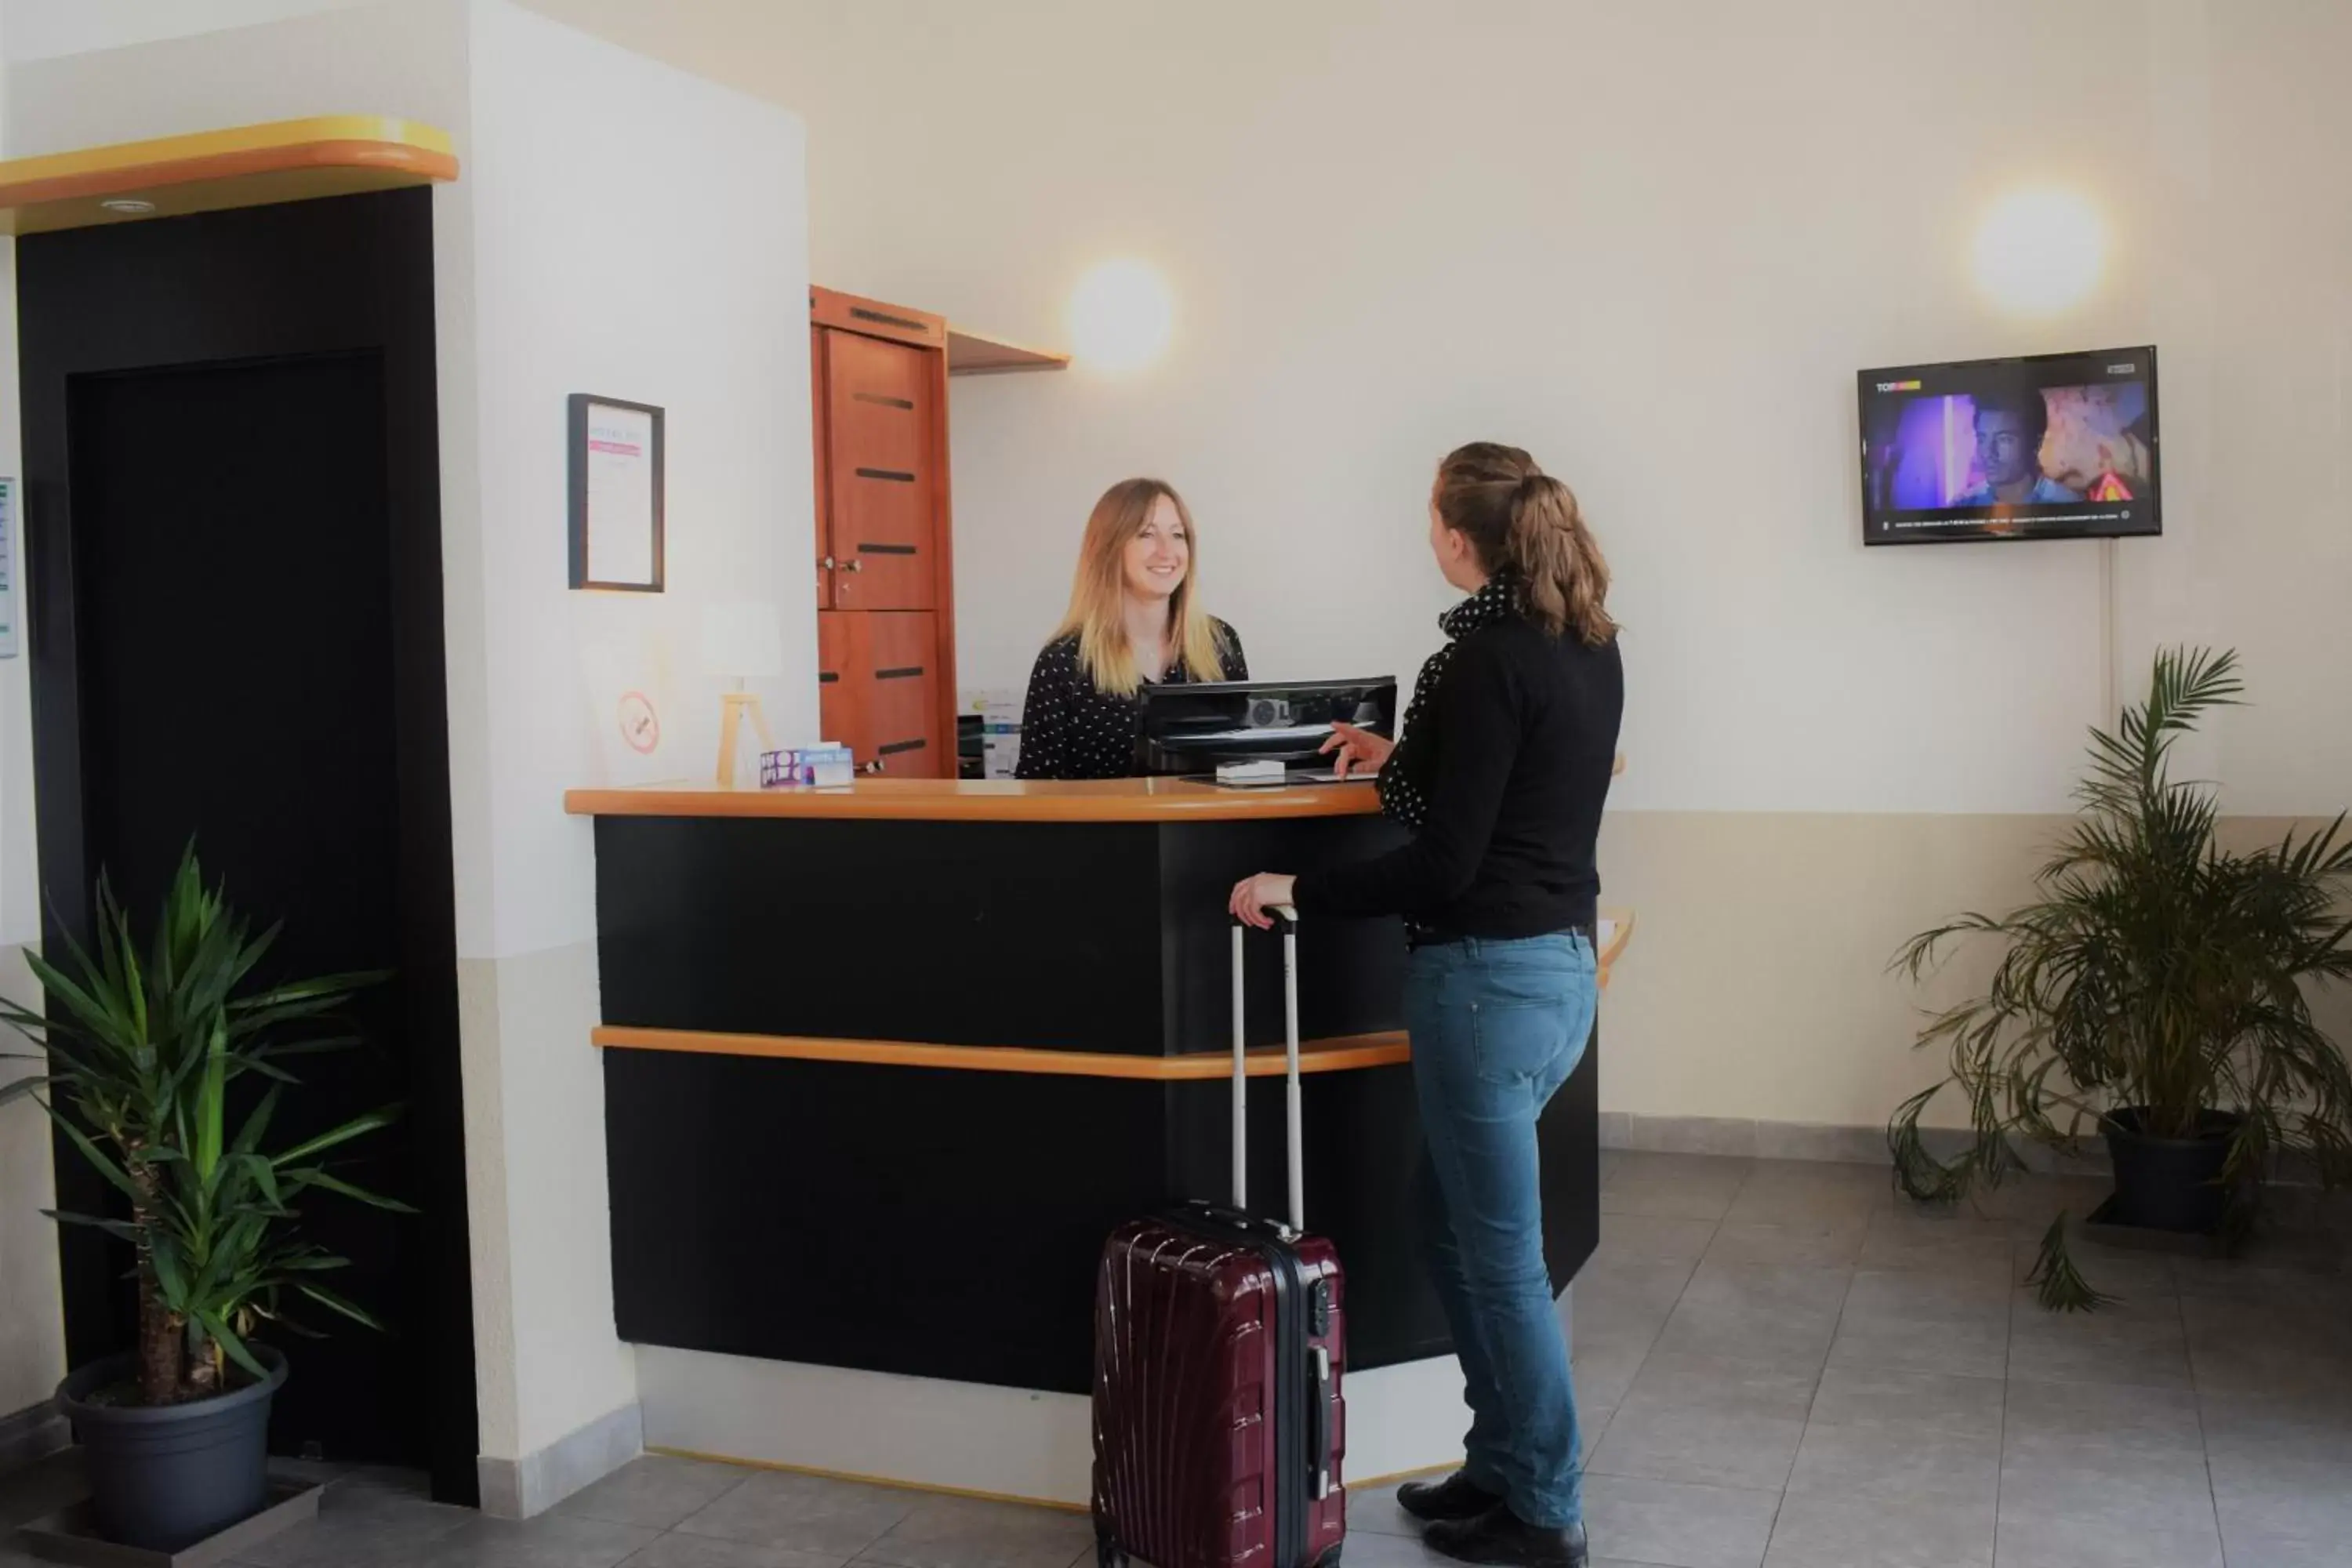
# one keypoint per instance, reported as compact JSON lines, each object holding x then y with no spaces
{"x":616,"y":493}
{"x":8,"y":594}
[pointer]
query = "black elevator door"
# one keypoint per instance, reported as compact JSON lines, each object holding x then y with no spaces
{"x":233,"y":584}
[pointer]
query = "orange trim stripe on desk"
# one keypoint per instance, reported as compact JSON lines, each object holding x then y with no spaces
{"x":1345,"y":1054}
{"x":988,"y":800}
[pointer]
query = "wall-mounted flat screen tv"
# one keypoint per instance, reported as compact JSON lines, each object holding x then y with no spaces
{"x":2052,"y":447}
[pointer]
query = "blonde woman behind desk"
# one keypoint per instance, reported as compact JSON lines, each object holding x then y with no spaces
{"x":1135,"y":620}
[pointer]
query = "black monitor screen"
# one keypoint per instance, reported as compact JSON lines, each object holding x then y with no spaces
{"x":2054,"y":447}
{"x":1191,"y":728}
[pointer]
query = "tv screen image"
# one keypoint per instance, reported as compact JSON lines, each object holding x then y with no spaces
{"x":2053,"y":447}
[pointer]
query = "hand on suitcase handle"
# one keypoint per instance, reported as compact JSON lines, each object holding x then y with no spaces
{"x":1257,"y":899}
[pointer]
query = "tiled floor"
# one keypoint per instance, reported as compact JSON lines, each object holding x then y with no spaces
{"x":1778,"y":1366}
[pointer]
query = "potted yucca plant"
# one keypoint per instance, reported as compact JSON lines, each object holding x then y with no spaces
{"x":2159,"y":989}
{"x":144,"y":1046}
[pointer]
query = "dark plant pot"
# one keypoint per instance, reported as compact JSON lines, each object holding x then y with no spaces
{"x":2169,"y":1183}
{"x":164,"y":1478}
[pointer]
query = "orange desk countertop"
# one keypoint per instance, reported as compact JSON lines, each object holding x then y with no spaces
{"x":987,"y":800}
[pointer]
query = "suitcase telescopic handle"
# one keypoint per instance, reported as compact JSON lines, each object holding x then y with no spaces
{"x":1286,"y":918}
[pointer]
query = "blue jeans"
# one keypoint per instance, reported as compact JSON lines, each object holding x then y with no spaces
{"x":1497,"y":1028}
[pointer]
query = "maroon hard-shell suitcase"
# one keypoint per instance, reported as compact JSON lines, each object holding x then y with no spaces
{"x":1219,"y":1344}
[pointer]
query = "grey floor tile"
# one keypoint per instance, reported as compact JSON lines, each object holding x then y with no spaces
{"x":1375,"y":1512}
{"x":1898,"y":1463}
{"x":1592,"y":1427}
{"x":2043,"y":1479}
{"x":1829,"y":1531}
{"x":2157,"y":1515}
{"x":1924,"y":1296}
{"x":2313,"y":1428}
{"x":1631,"y":1299}
{"x":1603,"y":1372}
{"x":1932,"y":1401}
{"x":1801,"y":1244}
{"x":2111,"y":1270}
{"x":2241,"y":1280}
{"x":969,"y":1532}
{"x":551,"y":1541}
{"x":2136,"y":1340}
{"x":654,"y":1490}
{"x":1674,"y":1186}
{"x":676,"y":1551}
{"x":1370,"y":1550}
{"x":804,"y":1513}
{"x":1804,"y":1194}
{"x":41,"y":1488}
{"x":1940,"y":1242}
{"x":1676,"y":1524}
{"x":394,"y":1536}
{"x":1781,"y":1314}
{"x":1713,"y":1447}
{"x":1629,"y":1238}
{"x":361,"y":1489}
{"x":2031,"y":1203}
{"x":1635,"y":1166}
{"x":2099,"y":1541}
{"x":1666,"y":1200}
{"x":1969,"y":1348}
{"x":2284,"y":1513}
{"x":2054,"y":1419}
{"x":1674,"y":1381}
{"x":2277,"y":1348}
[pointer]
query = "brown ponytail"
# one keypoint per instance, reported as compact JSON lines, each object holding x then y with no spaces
{"x":1523,"y":521}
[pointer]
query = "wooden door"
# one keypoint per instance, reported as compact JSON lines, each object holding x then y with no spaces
{"x":882,"y":487}
{"x":818,"y":428}
{"x":878,"y":691}
{"x":840,"y":701}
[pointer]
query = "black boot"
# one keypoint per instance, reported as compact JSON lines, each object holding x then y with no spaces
{"x":1500,"y":1538}
{"x":1455,"y":1497}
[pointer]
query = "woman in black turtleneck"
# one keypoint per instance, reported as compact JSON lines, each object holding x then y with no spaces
{"x":1507,"y":751}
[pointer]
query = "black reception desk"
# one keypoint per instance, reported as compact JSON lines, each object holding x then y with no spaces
{"x":884,"y":1065}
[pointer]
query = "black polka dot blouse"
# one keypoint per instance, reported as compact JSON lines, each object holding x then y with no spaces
{"x":1069,"y":729}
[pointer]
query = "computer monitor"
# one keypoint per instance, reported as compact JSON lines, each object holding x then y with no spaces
{"x":1189,"y":727}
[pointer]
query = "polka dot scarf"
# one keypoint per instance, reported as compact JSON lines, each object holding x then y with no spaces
{"x":1406,"y":781}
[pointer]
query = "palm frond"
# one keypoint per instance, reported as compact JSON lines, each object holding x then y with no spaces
{"x":2058,"y":1285}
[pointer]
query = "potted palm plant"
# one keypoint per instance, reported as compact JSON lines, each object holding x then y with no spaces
{"x":2159,"y":988}
{"x":145,"y":1046}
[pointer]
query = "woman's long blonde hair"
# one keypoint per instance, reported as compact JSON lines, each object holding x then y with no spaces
{"x":1098,"y":592}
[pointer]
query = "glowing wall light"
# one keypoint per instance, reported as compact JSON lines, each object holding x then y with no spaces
{"x":1120,"y":316}
{"x":2039,"y":251}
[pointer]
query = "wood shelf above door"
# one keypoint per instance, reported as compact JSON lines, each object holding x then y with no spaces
{"x":971,"y":354}
{"x":243,"y":167}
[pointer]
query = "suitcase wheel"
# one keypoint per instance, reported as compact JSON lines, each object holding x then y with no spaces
{"x":1107,"y":1553}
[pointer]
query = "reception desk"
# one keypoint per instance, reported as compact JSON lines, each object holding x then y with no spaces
{"x":883,"y":1065}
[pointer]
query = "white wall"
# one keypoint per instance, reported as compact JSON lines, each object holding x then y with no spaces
{"x":43,"y":29}
{"x":639,"y":234}
{"x":31,"y":1330}
{"x":622,"y":228}
{"x":1652,"y":243}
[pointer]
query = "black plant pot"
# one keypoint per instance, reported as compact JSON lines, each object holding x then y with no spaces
{"x":2169,"y":1183}
{"x":166,"y":1477}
